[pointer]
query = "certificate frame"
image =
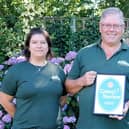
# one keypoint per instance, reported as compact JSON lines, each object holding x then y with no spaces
{"x":109,"y":94}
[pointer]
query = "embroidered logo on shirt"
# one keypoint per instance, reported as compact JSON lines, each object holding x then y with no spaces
{"x":55,"y":77}
{"x":123,"y":63}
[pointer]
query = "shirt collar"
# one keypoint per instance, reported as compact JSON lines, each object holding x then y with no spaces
{"x":124,"y":45}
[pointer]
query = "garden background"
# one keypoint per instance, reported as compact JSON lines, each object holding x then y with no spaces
{"x":72,"y":24}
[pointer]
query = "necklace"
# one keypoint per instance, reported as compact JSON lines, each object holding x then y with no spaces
{"x":40,"y":67}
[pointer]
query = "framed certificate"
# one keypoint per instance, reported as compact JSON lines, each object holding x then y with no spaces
{"x":109,"y":94}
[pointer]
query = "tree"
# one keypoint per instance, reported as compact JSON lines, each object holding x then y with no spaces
{"x":122,"y":4}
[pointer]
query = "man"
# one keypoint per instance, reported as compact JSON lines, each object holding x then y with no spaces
{"x":109,"y":56}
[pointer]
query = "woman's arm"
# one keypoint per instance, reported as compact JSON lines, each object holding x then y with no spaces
{"x":6,"y":102}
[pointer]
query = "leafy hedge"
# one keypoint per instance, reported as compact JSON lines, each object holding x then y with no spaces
{"x":12,"y":39}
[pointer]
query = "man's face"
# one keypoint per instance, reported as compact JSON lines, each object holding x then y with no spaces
{"x":111,"y":29}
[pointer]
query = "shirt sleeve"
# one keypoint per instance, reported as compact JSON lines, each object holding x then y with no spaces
{"x":9,"y":82}
{"x":63,"y":78}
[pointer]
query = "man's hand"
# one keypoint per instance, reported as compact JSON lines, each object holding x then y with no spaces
{"x":88,"y":78}
{"x":125,"y":110}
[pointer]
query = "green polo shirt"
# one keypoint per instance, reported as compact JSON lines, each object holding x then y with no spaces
{"x":93,"y":58}
{"x":37,"y":91}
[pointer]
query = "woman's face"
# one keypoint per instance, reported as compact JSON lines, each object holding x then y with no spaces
{"x":38,"y":46}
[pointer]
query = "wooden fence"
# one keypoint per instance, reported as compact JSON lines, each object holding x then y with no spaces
{"x":75,"y":22}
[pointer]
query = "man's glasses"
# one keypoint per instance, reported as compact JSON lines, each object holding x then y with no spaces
{"x":114,"y":26}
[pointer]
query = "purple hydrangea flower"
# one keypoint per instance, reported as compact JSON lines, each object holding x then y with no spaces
{"x":70,"y":55}
{"x":65,"y":119}
{"x":2,"y":125}
{"x":1,"y":113}
{"x":70,"y":119}
{"x":68,"y":67}
{"x":66,"y":127}
{"x":11,"y":61}
{"x":57,"y":60}
{"x":6,"y":118}
{"x":1,"y":67}
{"x":14,"y":60}
{"x":20,"y":59}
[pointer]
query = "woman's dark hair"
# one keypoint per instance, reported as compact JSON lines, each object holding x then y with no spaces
{"x":32,"y":32}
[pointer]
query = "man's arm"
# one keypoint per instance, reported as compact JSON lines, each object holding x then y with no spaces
{"x":75,"y":85}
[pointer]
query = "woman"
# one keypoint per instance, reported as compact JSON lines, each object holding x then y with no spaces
{"x":36,"y":84}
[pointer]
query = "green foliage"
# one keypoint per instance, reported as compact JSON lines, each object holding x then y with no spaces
{"x":9,"y":41}
{"x":63,"y":38}
{"x":84,"y":37}
{"x":17,"y":17}
{"x":73,"y":108}
{"x":72,"y":24}
{"x":59,"y":30}
{"x":10,"y":11}
{"x":122,"y":4}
